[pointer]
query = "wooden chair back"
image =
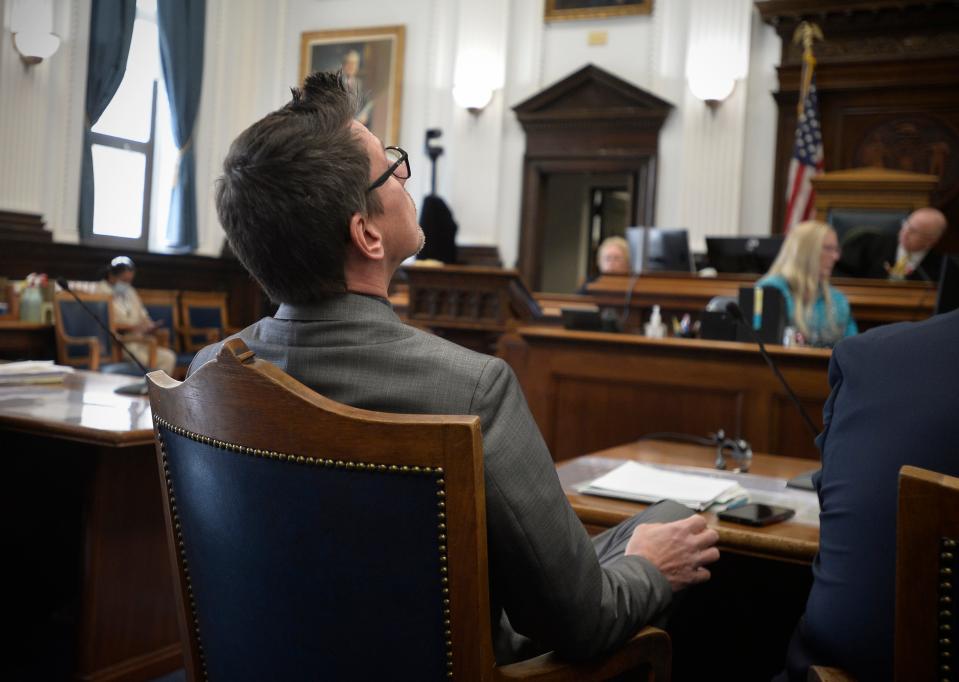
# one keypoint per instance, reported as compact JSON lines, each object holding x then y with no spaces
{"x":313,"y":540}
{"x":163,"y":306}
{"x":319,"y":540}
{"x":204,"y":318}
{"x":927,"y":534}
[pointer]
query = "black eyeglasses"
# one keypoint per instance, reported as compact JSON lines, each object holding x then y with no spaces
{"x":399,"y":166}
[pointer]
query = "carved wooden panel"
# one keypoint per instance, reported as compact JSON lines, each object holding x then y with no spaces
{"x":888,"y":85}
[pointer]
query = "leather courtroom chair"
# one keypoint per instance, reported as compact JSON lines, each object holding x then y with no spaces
{"x":312,"y":540}
{"x":163,"y":306}
{"x":927,"y":533}
{"x":203,"y":315}
{"x":81,"y":342}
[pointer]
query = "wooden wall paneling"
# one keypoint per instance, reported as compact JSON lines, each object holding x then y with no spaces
{"x":588,"y":391}
{"x":888,"y":84}
{"x":247,"y":302}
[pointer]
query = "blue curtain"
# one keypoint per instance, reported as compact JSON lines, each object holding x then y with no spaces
{"x":181,"y":24}
{"x":111,"y":30}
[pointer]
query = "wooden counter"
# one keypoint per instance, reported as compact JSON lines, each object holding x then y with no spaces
{"x":593,"y":390}
{"x":94,"y":597}
{"x":873,"y":301}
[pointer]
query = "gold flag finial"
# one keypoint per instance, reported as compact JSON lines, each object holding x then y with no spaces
{"x":806,"y":34}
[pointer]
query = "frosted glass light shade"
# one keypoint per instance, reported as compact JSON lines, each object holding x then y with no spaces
{"x":35,"y":46}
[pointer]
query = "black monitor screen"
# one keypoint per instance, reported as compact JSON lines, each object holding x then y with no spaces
{"x":743,"y":254}
{"x":947,"y":298}
{"x":659,"y":249}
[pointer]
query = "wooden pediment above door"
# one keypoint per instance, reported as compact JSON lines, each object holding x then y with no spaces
{"x":589,"y":125}
{"x":592,"y":94}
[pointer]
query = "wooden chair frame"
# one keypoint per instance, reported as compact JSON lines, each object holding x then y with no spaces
{"x":236,"y":384}
{"x":204,"y":299}
{"x":927,"y":540}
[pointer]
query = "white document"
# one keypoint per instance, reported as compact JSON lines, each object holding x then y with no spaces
{"x":32,"y":371}
{"x":642,"y":483}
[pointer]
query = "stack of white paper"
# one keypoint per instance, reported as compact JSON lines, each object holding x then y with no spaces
{"x":642,"y":483}
{"x":33,"y":372}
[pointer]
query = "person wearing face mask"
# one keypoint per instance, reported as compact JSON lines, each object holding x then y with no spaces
{"x":801,"y":271}
{"x":909,"y":254}
{"x":130,"y":316}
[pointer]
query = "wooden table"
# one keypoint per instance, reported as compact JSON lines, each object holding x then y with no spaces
{"x":787,"y":541}
{"x":86,"y":525}
{"x":593,"y":390}
{"x":737,"y":625}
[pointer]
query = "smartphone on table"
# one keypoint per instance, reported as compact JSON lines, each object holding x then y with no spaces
{"x":755,"y":514}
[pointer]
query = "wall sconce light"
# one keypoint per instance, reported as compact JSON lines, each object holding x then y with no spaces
{"x":35,"y":46}
{"x":30,"y":24}
{"x":477,"y":76}
{"x":712,"y":89}
{"x":474,"y":97}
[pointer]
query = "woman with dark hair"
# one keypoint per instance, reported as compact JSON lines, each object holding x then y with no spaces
{"x":130,"y":316}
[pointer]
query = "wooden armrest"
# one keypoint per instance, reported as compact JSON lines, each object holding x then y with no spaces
{"x":820,"y":673}
{"x":211,"y":333}
{"x":649,"y":647}
{"x":162,"y":336}
{"x":93,"y":349}
{"x":148,"y":339}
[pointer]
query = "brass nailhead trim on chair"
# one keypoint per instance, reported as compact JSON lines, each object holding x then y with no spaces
{"x":309,"y":461}
{"x":947,"y":557}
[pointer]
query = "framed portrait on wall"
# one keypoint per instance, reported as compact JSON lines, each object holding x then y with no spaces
{"x":561,"y":10}
{"x":372,"y":61}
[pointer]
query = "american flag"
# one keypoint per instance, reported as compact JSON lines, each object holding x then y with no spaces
{"x":806,"y":161}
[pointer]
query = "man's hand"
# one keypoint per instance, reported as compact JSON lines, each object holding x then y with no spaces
{"x":679,"y":549}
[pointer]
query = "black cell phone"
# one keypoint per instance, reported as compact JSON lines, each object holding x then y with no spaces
{"x":754,"y":514}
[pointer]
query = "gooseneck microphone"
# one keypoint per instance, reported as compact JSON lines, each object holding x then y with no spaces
{"x":733,"y":310}
{"x":138,"y":388}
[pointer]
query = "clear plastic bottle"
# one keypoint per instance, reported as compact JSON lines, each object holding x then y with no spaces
{"x":655,"y":329}
{"x":31,"y":300}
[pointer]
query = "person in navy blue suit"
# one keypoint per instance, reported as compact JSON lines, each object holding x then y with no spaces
{"x":893,"y":402}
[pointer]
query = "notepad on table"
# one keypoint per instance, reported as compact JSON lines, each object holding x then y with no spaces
{"x":643,"y":483}
{"x":33,"y":372}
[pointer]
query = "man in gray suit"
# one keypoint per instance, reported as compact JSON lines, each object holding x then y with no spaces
{"x":317,"y":211}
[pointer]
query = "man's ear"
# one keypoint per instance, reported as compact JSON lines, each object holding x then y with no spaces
{"x":366,"y":237}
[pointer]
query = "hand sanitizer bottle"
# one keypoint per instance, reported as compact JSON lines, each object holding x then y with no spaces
{"x":655,"y":329}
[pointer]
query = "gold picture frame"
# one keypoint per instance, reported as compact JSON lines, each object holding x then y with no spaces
{"x":371,"y":56}
{"x":568,"y":10}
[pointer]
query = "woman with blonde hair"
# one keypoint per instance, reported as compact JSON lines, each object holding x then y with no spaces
{"x":819,"y":312}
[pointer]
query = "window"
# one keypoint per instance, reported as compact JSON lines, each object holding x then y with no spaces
{"x":134,"y":156}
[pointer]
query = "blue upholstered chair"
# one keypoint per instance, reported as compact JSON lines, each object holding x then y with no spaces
{"x":204,"y":319}
{"x":318,"y":541}
{"x":163,"y":306}
{"x":81,"y":342}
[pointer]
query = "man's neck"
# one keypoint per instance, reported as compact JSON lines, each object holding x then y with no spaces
{"x":371,"y":281}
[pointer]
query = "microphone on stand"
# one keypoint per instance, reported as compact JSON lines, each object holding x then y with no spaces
{"x":138,"y":388}
{"x":733,"y":310}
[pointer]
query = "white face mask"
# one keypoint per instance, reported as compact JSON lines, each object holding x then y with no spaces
{"x":121,"y":288}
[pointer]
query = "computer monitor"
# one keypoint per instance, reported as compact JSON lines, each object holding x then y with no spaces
{"x":659,"y":249}
{"x":947,"y":296}
{"x":743,"y":254}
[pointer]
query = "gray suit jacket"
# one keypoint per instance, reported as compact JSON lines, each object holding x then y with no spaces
{"x":545,"y":580}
